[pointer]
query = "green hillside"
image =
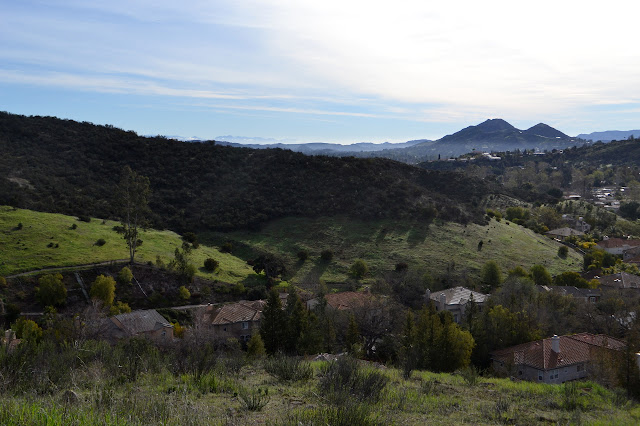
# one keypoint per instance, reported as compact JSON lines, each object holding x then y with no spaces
{"x":48,"y":240}
{"x":384,"y":243}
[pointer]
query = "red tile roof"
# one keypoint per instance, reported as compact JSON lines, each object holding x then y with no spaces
{"x":618,"y":242}
{"x":238,"y":312}
{"x":348,"y":300}
{"x":573,"y":349}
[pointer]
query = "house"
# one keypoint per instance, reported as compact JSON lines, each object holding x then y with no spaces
{"x":619,"y":281}
{"x":630,"y":253}
{"x":455,"y":300}
{"x":557,"y":359}
{"x":148,"y":323}
{"x":564,"y":233}
{"x":585,"y":294}
{"x":344,"y":301}
{"x":578,"y":224}
{"x":235,"y":320}
{"x":617,"y":245}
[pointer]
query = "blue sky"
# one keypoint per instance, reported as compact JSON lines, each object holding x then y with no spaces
{"x":330,"y":71}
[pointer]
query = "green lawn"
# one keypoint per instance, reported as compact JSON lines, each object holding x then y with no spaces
{"x":34,"y":246}
{"x":384,"y":243}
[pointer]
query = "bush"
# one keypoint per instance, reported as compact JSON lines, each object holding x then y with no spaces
{"x":184,"y":293}
{"x":74,"y":226}
{"x":125,"y":276}
{"x":103,"y":289}
{"x":227,"y":247}
{"x":211,"y":264}
{"x":288,"y":369}
{"x":326,"y":255}
{"x":303,"y":255}
{"x":84,"y":218}
{"x":51,"y":290}
{"x":253,"y":400}
{"x":401,"y":266}
{"x":100,"y":242}
{"x":19,"y":227}
{"x":359,"y":269}
{"x":255,"y":347}
{"x":3,"y":282}
{"x":343,"y":380}
{"x":563,"y":251}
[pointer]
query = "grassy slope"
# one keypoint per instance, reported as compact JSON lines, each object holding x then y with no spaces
{"x":26,"y":249}
{"x":426,"y":398}
{"x":384,"y":243}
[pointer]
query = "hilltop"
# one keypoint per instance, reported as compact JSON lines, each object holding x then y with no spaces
{"x":63,"y":166}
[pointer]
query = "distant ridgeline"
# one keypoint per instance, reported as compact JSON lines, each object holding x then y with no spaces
{"x":55,"y":165}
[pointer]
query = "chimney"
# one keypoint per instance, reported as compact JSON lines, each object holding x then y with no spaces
{"x":427,"y":296}
{"x":555,"y":344}
{"x":638,"y":359}
{"x":443,"y":301}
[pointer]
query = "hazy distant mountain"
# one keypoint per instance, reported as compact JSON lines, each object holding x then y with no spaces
{"x":321,"y":147}
{"x":610,"y":135}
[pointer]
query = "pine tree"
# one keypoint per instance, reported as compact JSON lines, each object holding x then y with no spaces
{"x":296,"y":322}
{"x":273,"y":323}
{"x":353,"y":334}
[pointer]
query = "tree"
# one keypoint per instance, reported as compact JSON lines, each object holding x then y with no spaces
{"x":359,"y":269}
{"x":272,"y":323}
{"x":491,"y":274}
{"x":133,"y":200}
{"x":296,"y":323}
{"x":353,"y":335}
{"x":103,"y":289}
{"x":272,"y":267}
{"x":571,"y":279}
{"x":27,"y":330}
{"x":3,"y":282}
{"x":563,"y":251}
{"x":180,"y":262}
{"x":540,"y":275}
{"x":51,"y":290}
{"x":211,"y":264}
{"x":255,"y":347}
{"x":184,"y":292}
{"x":125,"y":276}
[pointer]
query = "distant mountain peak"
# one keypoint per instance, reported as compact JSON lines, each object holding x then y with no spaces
{"x":545,"y":130}
{"x":494,"y":125}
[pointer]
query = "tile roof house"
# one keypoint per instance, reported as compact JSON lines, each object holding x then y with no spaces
{"x":563,"y":233}
{"x":619,"y":281}
{"x":345,"y":301}
{"x":586,"y":294}
{"x":148,"y":323}
{"x":455,"y":300}
{"x":238,"y":320}
{"x":617,"y":245}
{"x":557,"y":359}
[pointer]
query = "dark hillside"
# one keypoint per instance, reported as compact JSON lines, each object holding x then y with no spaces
{"x":68,"y":167}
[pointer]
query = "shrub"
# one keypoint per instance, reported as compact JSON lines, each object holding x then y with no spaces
{"x":563,"y":251}
{"x":343,"y":380}
{"x":51,"y":290}
{"x":3,"y":282}
{"x":74,"y":226}
{"x":27,"y":329}
{"x":211,"y":264}
{"x":303,"y":255}
{"x":226,"y":247}
{"x":19,"y":227}
{"x":253,"y":400}
{"x":255,"y":347}
{"x":401,"y":266}
{"x":326,"y":255}
{"x":103,"y":289}
{"x":100,"y":242}
{"x":288,"y":369}
{"x":470,"y":375}
{"x":125,"y":276}
{"x":359,"y":269}
{"x":84,"y":218}
{"x":184,"y":293}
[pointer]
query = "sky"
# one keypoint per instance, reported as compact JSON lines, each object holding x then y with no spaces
{"x":322,"y":71}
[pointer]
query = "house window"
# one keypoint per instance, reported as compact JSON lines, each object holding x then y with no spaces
{"x":540,"y":377}
{"x":245,"y":325}
{"x":455,"y":318}
{"x":592,"y":299}
{"x":224,"y":329}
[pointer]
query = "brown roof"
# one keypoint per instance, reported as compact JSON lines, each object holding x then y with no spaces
{"x":459,"y":296}
{"x":140,"y":321}
{"x":239,"y":312}
{"x":619,"y":280}
{"x":348,"y":300}
{"x":618,"y":242}
{"x":573,"y":349}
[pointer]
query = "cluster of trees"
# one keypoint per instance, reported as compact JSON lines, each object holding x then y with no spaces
{"x":73,"y":167}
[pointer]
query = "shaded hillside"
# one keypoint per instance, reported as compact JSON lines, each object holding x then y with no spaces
{"x":64,"y":166}
{"x":610,"y":135}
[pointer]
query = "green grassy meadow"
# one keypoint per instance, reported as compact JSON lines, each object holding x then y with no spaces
{"x":34,"y":246}
{"x":384,"y":243}
{"x":214,"y":399}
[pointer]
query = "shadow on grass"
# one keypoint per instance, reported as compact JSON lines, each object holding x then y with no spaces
{"x":313,"y":276}
{"x":417,"y":235}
